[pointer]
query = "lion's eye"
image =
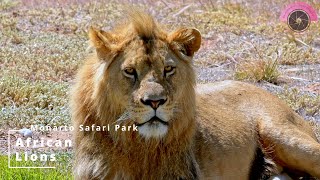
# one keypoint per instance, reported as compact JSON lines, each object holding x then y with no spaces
{"x":168,"y":70}
{"x":129,"y":72}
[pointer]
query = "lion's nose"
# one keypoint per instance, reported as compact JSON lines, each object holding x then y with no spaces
{"x":154,"y":103}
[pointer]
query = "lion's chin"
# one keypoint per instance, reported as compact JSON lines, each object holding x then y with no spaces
{"x":153,"y":130}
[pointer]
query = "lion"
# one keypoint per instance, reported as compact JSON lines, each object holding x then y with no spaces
{"x":141,"y":76}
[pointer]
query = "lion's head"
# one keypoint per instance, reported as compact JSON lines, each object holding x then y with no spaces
{"x":143,"y":75}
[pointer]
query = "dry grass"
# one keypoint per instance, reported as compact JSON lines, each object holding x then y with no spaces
{"x":43,"y":43}
{"x":24,"y":102}
{"x":305,"y":104}
{"x":257,"y":71}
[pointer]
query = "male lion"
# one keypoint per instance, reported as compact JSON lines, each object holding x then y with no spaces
{"x":142,"y":76}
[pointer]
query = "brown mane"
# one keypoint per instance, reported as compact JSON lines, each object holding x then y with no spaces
{"x":92,"y":105}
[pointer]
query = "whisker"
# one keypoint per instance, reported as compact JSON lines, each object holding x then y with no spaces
{"x":124,"y":116}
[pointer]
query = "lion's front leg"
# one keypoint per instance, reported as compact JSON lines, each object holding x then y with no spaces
{"x":90,"y":162}
{"x":91,"y":166}
{"x":292,"y":146}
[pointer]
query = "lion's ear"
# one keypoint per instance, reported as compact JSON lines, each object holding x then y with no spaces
{"x":188,"y":39}
{"x":101,"y":40}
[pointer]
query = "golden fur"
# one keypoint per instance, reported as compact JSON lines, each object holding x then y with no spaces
{"x":139,"y":72}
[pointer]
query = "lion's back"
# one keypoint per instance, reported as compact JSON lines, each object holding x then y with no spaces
{"x":223,"y":136}
{"x":229,"y":114}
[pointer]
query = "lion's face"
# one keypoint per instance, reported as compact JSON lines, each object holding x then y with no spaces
{"x":148,"y":78}
{"x":149,"y":86}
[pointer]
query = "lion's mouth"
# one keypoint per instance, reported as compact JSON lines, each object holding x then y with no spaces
{"x":154,"y":120}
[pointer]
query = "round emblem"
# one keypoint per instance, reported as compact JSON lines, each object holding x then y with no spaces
{"x":298,"y":20}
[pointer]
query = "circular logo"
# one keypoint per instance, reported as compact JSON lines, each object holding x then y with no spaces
{"x":298,"y":20}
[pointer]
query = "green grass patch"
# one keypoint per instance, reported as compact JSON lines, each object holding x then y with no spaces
{"x":62,"y":170}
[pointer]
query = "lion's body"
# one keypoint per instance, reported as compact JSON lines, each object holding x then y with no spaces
{"x":143,"y":76}
{"x":234,"y":118}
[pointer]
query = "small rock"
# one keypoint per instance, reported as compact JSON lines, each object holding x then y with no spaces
{"x":25,"y":132}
